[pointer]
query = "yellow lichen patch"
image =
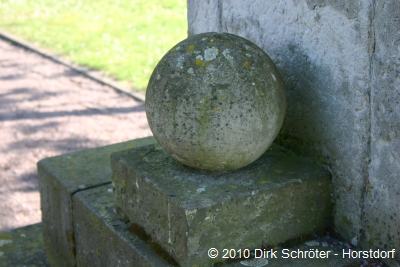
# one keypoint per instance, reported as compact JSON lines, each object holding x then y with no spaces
{"x":220,"y":98}
{"x":278,"y":171}
{"x":199,"y":62}
{"x":263,"y":182}
{"x":123,"y":183}
{"x":208,"y":63}
{"x":370,"y":229}
{"x":210,"y":42}
{"x":190,"y":48}
{"x":246,"y":65}
{"x":5,"y":236}
{"x":216,"y":108}
{"x":188,"y":76}
{"x":234,"y":186}
{"x":228,"y":44}
{"x":346,"y":220}
{"x":372,"y":240}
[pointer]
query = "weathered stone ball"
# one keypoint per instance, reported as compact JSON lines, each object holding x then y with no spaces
{"x":215,"y":101}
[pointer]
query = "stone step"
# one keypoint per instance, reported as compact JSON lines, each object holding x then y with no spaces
{"x":187,"y":211}
{"x":25,"y":247}
{"x":81,"y":228}
{"x":61,"y":177}
{"x":103,"y":239}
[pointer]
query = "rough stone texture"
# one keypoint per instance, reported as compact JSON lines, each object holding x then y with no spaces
{"x":382,"y":198}
{"x":340,"y":65}
{"x":59,"y":178}
{"x":215,"y":102}
{"x":23,"y":247}
{"x":323,"y":55}
{"x":102,"y":239}
{"x":188,"y":211}
{"x":106,"y":241}
{"x":282,"y":260}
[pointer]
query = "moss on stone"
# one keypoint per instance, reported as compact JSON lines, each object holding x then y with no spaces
{"x":189,"y":121}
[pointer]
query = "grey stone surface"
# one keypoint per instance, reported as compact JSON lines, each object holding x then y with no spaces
{"x":106,"y":241}
{"x":323,"y":54}
{"x":294,"y":257}
{"x":23,"y":247}
{"x":204,"y":17}
{"x":382,"y":198}
{"x":340,"y":65}
{"x":188,"y":211}
{"x":59,"y":178}
{"x":102,"y":239}
{"x":215,"y":102}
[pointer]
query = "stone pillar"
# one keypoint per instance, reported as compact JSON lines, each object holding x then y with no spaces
{"x":382,"y":197}
{"x":340,"y":65}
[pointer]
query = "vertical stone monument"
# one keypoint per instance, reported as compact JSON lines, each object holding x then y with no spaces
{"x":340,"y":64}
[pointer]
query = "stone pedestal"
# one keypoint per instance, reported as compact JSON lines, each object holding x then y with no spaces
{"x":187,"y":211}
{"x":81,"y":228}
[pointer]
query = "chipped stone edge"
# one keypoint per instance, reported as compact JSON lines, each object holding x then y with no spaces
{"x":81,"y":70}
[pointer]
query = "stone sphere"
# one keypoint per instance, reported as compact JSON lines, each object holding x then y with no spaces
{"x":215,"y":102}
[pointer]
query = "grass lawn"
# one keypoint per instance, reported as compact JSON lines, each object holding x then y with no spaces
{"x":124,"y":38}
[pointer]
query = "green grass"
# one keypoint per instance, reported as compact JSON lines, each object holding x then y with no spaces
{"x":123,"y":38}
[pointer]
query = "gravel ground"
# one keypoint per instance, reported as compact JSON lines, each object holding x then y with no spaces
{"x":47,"y":109}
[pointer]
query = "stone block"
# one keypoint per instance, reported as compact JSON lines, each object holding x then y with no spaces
{"x":103,"y":239}
{"x":59,"y":178}
{"x":278,"y":197}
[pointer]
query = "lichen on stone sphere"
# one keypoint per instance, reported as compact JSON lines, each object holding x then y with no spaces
{"x":215,"y":102}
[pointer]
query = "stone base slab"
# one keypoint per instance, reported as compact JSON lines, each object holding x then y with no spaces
{"x":186,"y":211}
{"x":98,"y":235}
{"x":23,"y":246}
{"x":62,"y":176}
{"x":103,"y":239}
